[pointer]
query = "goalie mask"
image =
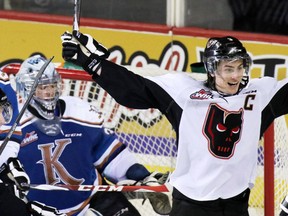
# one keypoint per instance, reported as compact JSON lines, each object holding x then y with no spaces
{"x":5,"y":108}
{"x":47,"y":92}
{"x":227,"y":49}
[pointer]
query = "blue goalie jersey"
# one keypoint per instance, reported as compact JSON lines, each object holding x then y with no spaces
{"x":73,"y":150}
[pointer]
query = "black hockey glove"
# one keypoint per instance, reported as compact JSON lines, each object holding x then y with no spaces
{"x":284,"y":207}
{"x":15,"y":178}
{"x":13,"y":172}
{"x":40,"y":209}
{"x":83,"y":50}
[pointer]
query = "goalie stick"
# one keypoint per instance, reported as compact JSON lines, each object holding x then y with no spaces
{"x":107,"y":188}
{"x":33,"y":89}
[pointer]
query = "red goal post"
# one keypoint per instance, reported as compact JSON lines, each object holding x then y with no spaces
{"x":150,"y":136}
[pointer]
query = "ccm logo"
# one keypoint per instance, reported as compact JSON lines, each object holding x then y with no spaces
{"x":100,"y":188}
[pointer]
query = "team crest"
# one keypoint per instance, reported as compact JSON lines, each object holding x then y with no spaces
{"x":222,"y":128}
{"x":201,"y":95}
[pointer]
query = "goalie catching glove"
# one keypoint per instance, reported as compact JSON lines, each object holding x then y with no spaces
{"x":159,"y":201}
{"x":83,"y":50}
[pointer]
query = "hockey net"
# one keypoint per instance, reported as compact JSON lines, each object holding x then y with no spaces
{"x":150,"y":137}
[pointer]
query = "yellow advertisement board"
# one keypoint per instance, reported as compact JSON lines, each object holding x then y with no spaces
{"x":137,"y":48}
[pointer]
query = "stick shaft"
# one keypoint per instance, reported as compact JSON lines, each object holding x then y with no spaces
{"x":33,"y":88}
{"x":76,"y":18}
{"x":107,"y":188}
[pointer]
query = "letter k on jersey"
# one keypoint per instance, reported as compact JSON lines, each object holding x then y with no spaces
{"x":54,"y":170}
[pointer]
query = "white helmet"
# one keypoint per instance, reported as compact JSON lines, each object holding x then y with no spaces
{"x":45,"y":106}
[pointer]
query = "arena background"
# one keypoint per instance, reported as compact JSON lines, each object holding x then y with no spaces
{"x":144,"y":45}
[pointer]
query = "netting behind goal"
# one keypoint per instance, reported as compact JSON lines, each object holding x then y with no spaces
{"x":150,"y":137}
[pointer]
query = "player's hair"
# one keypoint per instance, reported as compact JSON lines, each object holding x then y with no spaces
{"x":7,"y":110}
{"x":225,"y":48}
{"x":26,"y":77}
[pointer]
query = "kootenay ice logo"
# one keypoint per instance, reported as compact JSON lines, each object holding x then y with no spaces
{"x":29,"y":138}
{"x":201,"y":95}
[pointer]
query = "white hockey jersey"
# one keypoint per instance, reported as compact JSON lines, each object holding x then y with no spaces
{"x":217,"y":136}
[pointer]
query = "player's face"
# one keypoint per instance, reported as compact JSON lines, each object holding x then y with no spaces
{"x":46,"y":91}
{"x":229,"y":75}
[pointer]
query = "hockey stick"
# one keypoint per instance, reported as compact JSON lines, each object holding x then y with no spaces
{"x":76,"y":18}
{"x":107,"y":188}
{"x":33,"y":89}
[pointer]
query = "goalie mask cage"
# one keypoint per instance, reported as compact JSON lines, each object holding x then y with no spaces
{"x":150,"y":137}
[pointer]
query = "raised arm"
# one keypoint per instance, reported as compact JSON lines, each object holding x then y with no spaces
{"x":124,"y":86}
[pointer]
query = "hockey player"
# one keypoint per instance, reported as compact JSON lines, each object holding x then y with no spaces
{"x":218,"y":122}
{"x":14,"y":182}
{"x":64,"y":142}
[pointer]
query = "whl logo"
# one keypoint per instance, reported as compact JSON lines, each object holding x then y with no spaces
{"x":201,"y":95}
{"x":29,"y":138}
